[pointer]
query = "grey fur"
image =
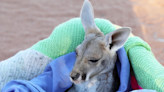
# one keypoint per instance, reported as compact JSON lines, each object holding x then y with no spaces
{"x":101,"y":76}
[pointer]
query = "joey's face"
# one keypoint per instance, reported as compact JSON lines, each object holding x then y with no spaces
{"x":92,"y":56}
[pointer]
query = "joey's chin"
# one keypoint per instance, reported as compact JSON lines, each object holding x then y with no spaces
{"x":78,"y":81}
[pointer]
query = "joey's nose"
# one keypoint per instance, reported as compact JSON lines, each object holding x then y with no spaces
{"x":83,"y":76}
{"x":75,"y":77}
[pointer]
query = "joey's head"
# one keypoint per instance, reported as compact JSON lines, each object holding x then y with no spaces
{"x":97,"y":53}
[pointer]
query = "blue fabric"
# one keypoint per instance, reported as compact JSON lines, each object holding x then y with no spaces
{"x":55,"y":78}
{"x":123,"y":69}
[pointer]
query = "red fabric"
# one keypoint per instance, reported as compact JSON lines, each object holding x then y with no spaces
{"x":134,"y":83}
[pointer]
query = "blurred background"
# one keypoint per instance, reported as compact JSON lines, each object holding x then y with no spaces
{"x":25,"y":22}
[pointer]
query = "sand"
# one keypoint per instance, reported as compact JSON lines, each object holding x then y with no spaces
{"x":25,"y":22}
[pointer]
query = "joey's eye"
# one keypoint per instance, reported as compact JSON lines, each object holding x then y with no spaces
{"x":76,"y":53}
{"x":94,"y":61}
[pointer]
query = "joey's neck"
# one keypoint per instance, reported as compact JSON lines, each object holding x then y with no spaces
{"x":110,"y":65}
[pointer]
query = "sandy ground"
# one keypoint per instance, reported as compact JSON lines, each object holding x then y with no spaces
{"x":25,"y":22}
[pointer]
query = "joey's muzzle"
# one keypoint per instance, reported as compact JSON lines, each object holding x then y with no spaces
{"x":75,"y":76}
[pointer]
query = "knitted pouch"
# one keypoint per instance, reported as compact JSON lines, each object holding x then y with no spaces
{"x":29,"y":63}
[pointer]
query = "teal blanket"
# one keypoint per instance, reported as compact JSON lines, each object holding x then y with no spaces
{"x":29,"y":63}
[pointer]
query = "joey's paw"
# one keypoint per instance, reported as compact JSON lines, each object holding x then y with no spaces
{"x":103,"y":86}
{"x":105,"y":83}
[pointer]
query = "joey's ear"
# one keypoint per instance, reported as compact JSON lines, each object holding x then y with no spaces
{"x":87,"y":19}
{"x":116,"y":39}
